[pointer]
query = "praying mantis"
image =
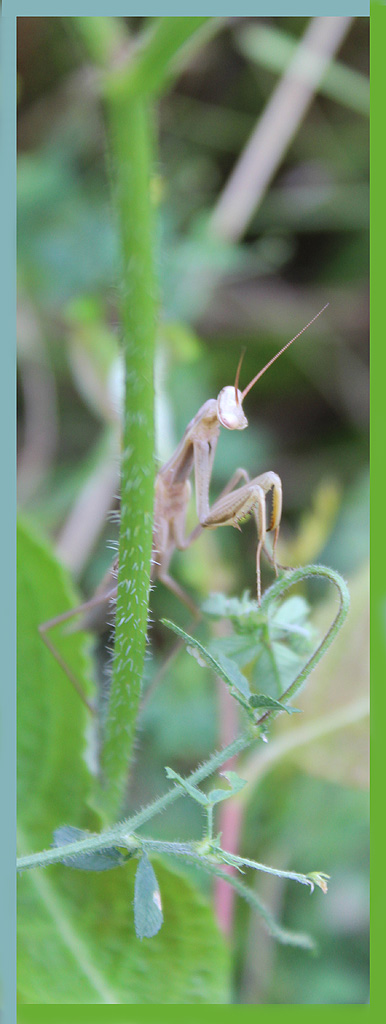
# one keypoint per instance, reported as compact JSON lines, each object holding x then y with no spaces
{"x":195,"y":453}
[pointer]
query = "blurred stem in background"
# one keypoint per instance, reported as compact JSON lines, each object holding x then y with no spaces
{"x":277,"y":126}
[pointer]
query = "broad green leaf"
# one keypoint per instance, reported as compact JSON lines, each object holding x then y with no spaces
{"x":77,"y":941}
{"x":53,"y":778}
{"x":148,"y":916}
{"x":98,"y":860}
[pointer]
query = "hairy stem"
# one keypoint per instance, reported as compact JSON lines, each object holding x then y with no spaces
{"x":120,"y":832}
{"x":129,"y":125}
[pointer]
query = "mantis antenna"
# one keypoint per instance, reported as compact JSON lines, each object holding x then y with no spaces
{"x":266,"y":367}
{"x":243,"y":351}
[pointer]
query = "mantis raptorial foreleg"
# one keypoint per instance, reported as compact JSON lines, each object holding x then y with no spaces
{"x":234,"y":507}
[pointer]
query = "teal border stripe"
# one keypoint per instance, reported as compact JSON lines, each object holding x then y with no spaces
{"x":216,"y":8}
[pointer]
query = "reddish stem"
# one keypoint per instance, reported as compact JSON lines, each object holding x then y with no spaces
{"x":230,"y":815}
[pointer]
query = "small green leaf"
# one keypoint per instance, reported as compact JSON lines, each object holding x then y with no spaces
{"x":54,"y":781}
{"x":227,"y":858}
{"x":240,"y":647}
{"x":233,"y":673}
{"x":240,"y":610}
{"x":261,"y":700}
{"x":293,"y":610}
{"x":235,"y":780}
{"x":235,"y":784}
{"x":193,"y":791}
{"x":97,"y":860}
{"x":148,"y":916}
{"x":217,"y":795}
{"x":290,"y":622}
{"x":230,"y":674}
{"x":318,"y":878}
{"x":194,"y":653}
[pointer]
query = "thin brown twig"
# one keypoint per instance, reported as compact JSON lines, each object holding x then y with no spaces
{"x":277,"y":126}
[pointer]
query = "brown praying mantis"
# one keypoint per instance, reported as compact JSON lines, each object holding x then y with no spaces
{"x":196,"y":451}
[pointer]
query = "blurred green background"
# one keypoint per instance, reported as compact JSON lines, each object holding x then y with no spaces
{"x":305,"y":244}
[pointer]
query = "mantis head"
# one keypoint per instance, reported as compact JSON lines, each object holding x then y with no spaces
{"x":230,"y":400}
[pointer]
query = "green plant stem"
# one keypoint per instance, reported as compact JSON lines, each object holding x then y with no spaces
{"x":114,"y":836}
{"x":209,"y":821}
{"x":153,"y":60}
{"x":193,"y":850}
{"x":127,"y":90}
{"x":130,"y":134}
{"x":280,"y":934}
{"x":102,"y":37}
{"x":122,"y":832}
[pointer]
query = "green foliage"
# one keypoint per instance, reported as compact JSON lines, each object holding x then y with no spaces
{"x":148,"y":916}
{"x":311,"y":232}
{"x":285,"y":812}
{"x":274,"y":49}
{"x":75,"y":939}
{"x":235,"y":784}
{"x":228,"y":670}
{"x":52,"y":770}
{"x":272,"y":646}
{"x":98,"y":860}
{"x":77,"y":942}
{"x":214,"y":796}
{"x":152,"y":65}
{"x":132,"y":151}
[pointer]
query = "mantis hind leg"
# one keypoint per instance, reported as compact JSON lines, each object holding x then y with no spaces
{"x":45,"y":627}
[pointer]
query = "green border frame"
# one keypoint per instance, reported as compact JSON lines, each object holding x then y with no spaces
{"x":377,"y":430}
{"x":172,"y":1014}
{"x":141,"y":1014}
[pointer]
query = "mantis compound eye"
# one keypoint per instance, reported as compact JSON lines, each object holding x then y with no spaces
{"x":230,"y":412}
